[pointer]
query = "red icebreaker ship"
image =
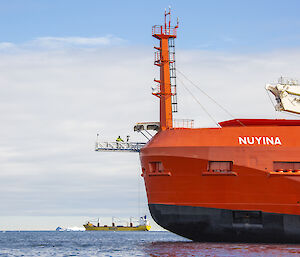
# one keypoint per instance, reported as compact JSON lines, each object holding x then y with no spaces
{"x":239,"y":182}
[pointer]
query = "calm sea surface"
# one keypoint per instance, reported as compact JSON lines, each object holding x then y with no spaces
{"x":103,"y":243}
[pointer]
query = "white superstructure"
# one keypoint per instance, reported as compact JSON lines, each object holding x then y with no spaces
{"x":287,"y":95}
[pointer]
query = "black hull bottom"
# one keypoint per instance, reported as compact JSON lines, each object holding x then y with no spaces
{"x":222,"y":225}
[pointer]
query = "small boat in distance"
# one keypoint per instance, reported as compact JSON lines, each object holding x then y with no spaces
{"x":143,"y":225}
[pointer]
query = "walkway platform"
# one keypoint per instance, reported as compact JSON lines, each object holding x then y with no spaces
{"x":119,"y":146}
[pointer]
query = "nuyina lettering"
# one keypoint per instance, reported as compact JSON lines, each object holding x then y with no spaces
{"x":259,"y":141}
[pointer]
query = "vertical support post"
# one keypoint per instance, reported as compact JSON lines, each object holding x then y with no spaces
{"x":163,"y":34}
{"x":166,"y":117}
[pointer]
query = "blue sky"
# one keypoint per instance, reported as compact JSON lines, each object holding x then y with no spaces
{"x":231,"y":25}
{"x":72,"y":69}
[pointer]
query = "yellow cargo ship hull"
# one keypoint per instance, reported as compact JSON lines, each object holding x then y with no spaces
{"x":110,"y":228}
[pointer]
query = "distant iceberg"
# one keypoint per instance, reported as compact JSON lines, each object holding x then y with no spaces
{"x":60,"y":229}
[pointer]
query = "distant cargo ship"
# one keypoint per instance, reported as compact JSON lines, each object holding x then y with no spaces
{"x":144,"y":225}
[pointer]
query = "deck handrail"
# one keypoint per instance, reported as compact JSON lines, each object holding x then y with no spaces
{"x":119,"y":146}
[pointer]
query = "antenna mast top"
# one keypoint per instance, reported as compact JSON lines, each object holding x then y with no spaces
{"x":166,"y":29}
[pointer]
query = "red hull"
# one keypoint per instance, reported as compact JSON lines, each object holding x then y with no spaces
{"x":184,"y":178}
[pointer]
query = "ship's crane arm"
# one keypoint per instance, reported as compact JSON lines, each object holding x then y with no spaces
{"x":287,"y":95}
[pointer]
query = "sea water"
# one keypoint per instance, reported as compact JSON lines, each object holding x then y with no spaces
{"x":107,"y":243}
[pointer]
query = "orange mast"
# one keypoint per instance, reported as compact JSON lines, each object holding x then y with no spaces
{"x":166,"y":90}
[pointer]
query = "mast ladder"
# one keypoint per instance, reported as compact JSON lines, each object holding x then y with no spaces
{"x":173,"y":74}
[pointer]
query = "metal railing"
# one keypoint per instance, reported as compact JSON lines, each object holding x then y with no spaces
{"x":157,"y":57}
{"x":118,"y":146}
{"x":161,"y":30}
{"x":183,"y":123}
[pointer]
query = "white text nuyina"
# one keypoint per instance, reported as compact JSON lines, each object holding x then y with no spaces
{"x":259,"y":141}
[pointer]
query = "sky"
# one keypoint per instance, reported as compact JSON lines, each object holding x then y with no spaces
{"x":72,"y":69}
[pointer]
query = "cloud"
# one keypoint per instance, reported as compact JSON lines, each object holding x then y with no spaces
{"x":53,"y":103}
{"x":236,"y":81}
{"x":52,"y":43}
{"x":57,"y":42}
{"x":6,"y":45}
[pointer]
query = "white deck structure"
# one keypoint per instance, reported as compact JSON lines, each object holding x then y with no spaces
{"x":287,"y":95}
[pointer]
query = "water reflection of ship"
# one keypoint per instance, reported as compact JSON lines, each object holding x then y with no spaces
{"x":186,"y":248}
{"x":141,"y":224}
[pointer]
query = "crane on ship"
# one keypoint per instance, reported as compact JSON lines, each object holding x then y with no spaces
{"x":287,"y":95}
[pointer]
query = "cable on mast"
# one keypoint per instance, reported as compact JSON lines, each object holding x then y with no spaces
{"x":203,"y":108}
{"x":212,"y":99}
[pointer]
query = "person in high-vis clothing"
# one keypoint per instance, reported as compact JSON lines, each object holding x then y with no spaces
{"x":119,"y":139}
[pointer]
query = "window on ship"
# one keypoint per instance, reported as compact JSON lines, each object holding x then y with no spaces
{"x":286,"y":166}
{"x":156,"y":167}
{"x":220,"y":166}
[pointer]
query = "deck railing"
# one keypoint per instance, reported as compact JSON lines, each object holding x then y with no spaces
{"x":161,"y":30}
{"x":183,"y":123}
{"x":118,"y":146}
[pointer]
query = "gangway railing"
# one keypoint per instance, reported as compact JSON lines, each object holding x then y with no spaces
{"x":119,"y":146}
{"x":183,"y":123}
